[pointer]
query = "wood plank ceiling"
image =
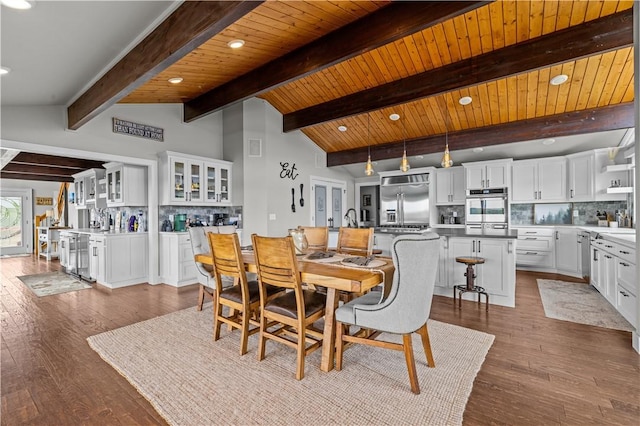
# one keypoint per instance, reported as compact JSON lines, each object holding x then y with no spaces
{"x":325,"y":64}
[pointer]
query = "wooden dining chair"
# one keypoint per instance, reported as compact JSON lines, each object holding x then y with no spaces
{"x":403,"y":311}
{"x":242,"y":298}
{"x":317,"y":237}
{"x":355,"y":241}
{"x":292,"y":313}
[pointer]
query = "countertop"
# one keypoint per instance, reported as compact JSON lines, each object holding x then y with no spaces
{"x":94,"y":231}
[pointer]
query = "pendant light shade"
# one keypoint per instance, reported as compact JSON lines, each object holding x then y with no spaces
{"x":404,"y":163}
{"x":368,"y":169}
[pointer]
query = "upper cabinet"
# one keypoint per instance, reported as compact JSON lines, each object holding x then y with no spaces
{"x":89,"y":189}
{"x":539,"y":180}
{"x":450,"y":186}
{"x":488,"y":174}
{"x":126,"y":185}
{"x":590,"y":180}
{"x":191,"y":180}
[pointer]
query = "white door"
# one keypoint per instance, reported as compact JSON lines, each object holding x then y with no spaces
{"x":328,"y":200}
{"x":16,"y":230}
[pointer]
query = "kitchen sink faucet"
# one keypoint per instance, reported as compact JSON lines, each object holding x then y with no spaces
{"x":351,"y":222}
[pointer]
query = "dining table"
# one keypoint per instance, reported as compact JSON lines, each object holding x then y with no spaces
{"x":336,"y":277}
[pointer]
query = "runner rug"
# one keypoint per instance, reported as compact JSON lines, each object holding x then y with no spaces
{"x":51,"y":283}
{"x":191,"y":380}
{"x":581,"y":303}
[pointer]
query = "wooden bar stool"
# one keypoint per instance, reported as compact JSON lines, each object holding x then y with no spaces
{"x":471,"y":281}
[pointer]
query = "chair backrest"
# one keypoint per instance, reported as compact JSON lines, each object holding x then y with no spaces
{"x":276,"y":262}
{"x":317,"y":237}
{"x":199,"y":241}
{"x":227,"y":257}
{"x":408,"y":305}
{"x":356,"y":241}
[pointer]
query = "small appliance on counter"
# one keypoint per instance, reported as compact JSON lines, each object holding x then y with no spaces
{"x":180,"y":223}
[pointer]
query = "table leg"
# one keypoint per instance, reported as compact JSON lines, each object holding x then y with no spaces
{"x":328,"y":338}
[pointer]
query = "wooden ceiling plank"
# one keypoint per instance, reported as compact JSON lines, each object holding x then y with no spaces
{"x":567,"y":124}
{"x":189,"y":26}
{"x":374,"y":30}
{"x":76,"y":164}
{"x":626,"y":78}
{"x":602,"y":73}
{"x":601,"y":35}
{"x":38,"y":169}
{"x":613,"y":77}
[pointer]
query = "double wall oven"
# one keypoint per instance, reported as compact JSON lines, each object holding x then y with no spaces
{"x":487,"y":208}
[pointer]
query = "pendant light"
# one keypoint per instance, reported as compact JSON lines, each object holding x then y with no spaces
{"x":404,"y":163}
{"x":446,"y":158}
{"x":368,"y":169}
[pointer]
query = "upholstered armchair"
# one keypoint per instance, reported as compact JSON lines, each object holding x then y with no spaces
{"x":404,"y":311}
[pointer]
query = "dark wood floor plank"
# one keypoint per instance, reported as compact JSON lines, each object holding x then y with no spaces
{"x":538,"y":371}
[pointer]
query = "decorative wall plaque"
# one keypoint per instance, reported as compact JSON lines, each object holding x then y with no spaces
{"x":136,"y":129}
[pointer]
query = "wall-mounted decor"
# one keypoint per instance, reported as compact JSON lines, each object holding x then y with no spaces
{"x":44,"y":201}
{"x":366,"y":200}
{"x":136,"y":129}
{"x":552,"y":214}
{"x":288,"y":171}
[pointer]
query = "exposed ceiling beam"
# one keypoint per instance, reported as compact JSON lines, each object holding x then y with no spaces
{"x":381,"y":27}
{"x":597,"y":36}
{"x":39,"y":169}
{"x":54,"y":160}
{"x":614,"y":117}
{"x":190,"y":25}
{"x":27,"y":176}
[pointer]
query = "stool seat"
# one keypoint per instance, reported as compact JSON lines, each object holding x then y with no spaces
{"x":470,"y":260}
{"x":470,"y":286}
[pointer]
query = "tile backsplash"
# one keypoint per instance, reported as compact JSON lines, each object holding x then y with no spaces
{"x":522,"y":214}
{"x":201,"y":213}
{"x":446,"y":212}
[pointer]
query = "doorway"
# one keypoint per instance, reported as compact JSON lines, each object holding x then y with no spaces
{"x":328,"y":198}
{"x":16,"y":211}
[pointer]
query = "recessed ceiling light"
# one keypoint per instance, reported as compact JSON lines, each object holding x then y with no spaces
{"x":394,"y":117}
{"x":4,"y":70}
{"x":17,"y":4}
{"x":478,"y":149}
{"x":342,"y":128}
{"x":465,"y":100}
{"x":559,"y":79}
{"x":235,"y":44}
{"x":175,"y":80}
{"x":548,"y":141}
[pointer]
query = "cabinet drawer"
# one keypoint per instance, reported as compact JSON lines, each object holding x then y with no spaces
{"x":626,"y":304}
{"x":627,"y":276}
{"x":543,"y":259}
{"x":531,"y":232}
{"x":625,"y":253}
{"x":535,"y":243}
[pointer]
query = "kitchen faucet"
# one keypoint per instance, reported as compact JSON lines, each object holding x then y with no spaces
{"x":351,"y":221}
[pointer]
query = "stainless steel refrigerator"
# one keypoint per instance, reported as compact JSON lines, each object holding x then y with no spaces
{"x":404,"y":199}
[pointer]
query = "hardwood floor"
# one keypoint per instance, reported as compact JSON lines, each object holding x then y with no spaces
{"x":538,"y":371}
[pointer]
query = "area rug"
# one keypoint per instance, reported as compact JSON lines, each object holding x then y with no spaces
{"x":581,"y":303}
{"x":191,"y":380}
{"x":52,"y":283}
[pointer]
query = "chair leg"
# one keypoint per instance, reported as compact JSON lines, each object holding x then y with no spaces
{"x":244,"y":337}
{"x":301,"y":353}
{"x":217,"y":308}
{"x":261,"y":339}
{"x":200,"y":298}
{"x":426,"y":343}
{"x":339,"y":344}
{"x":411,"y":363}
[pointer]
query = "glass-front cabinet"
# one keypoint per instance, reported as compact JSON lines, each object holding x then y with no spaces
{"x":114,"y":185}
{"x":186,"y":180}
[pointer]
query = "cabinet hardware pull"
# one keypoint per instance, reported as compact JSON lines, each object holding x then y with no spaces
{"x":473,"y":250}
{"x":624,"y":294}
{"x":608,"y":257}
{"x":531,"y":238}
{"x":95,"y":252}
{"x":624,"y":252}
{"x":532,"y":252}
{"x":624,"y":264}
{"x":572,"y":193}
{"x":530,"y":232}
{"x":608,"y":246}
{"x":488,"y":183}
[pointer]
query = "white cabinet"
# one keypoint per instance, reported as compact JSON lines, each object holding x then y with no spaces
{"x":177,"y":266}
{"x":97,"y":244}
{"x":382,"y":241}
{"x":63,"y":249}
{"x":488,"y":174}
{"x":48,"y":242}
{"x":496,"y":275}
{"x":126,"y":185}
{"x":88,"y":189}
{"x":535,"y":248}
{"x":450,"y":186}
{"x":442,"y":277}
{"x":589,"y":178}
{"x":539,"y":180}
{"x":568,"y":251}
{"x":118,"y":260}
{"x":595,"y":273}
{"x":191,"y":180}
{"x":580,"y":177}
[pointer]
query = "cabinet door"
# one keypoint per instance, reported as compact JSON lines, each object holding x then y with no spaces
{"x":138,"y":255}
{"x":63,"y":250}
{"x":458,"y":187}
{"x":595,"y":269}
{"x":552,"y":178}
{"x":118,"y":260}
{"x":567,"y":251}
{"x":179,"y":178}
{"x":581,"y":178}
{"x":195,"y":178}
{"x":496,"y":176}
{"x":442,"y":264}
{"x":443,"y":187}
{"x":211,"y":180}
{"x":225,"y":184}
{"x":608,"y":277}
{"x":383,"y":242}
{"x":80,"y":193}
{"x":94,"y":259}
{"x":492,"y":274}
{"x":455,"y":271}
{"x":114,"y":186}
{"x":523,"y":181}
{"x":475,"y":176}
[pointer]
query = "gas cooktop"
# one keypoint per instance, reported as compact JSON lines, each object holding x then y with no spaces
{"x":404,"y":229}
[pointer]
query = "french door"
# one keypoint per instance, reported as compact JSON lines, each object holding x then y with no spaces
{"x":328,"y":198}
{"x":16,"y":233}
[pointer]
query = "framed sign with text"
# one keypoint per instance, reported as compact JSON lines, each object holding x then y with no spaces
{"x":136,"y":129}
